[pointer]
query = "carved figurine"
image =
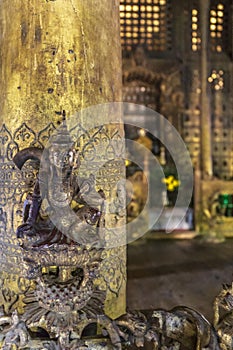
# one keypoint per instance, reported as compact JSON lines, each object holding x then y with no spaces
{"x":62,"y":242}
{"x":63,"y":264}
{"x":59,"y":188}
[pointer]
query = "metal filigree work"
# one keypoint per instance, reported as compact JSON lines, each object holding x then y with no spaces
{"x":182,"y":328}
{"x":62,"y":269}
{"x":63,"y":296}
{"x":223,"y":316}
{"x":16,"y":185}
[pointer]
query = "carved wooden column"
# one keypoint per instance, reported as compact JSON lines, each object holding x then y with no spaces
{"x":55,"y":55}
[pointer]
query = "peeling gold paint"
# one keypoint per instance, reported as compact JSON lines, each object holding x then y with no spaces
{"x":59,"y":55}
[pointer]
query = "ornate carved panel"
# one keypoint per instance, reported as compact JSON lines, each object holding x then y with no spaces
{"x":101,"y":155}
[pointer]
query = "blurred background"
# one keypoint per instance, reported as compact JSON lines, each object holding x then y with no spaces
{"x":178,"y":61}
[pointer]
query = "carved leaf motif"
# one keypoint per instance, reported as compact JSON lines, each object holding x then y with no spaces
{"x":89,"y":152}
{"x":12,"y":149}
{"x":77,"y":131}
{"x":10,"y":298}
{"x":5,"y":135}
{"x":8,"y":147}
{"x":114,"y":275}
{"x":45,"y":134}
{"x":25,"y":135}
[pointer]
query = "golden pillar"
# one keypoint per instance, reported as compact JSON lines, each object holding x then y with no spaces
{"x":55,"y":55}
{"x":206,"y":152}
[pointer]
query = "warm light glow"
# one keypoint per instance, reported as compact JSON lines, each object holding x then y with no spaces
{"x":219,"y":48}
{"x":212,"y":27}
{"x":213,"y":20}
{"x":142,"y":132}
{"x":140,"y":19}
{"x":220,"y":6}
{"x":220,"y":28}
{"x":195,"y":39}
{"x":220,"y":13}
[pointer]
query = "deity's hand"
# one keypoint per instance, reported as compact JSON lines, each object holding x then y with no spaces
{"x":25,"y":229}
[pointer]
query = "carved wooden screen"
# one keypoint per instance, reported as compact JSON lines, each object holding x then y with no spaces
{"x":146,"y":22}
